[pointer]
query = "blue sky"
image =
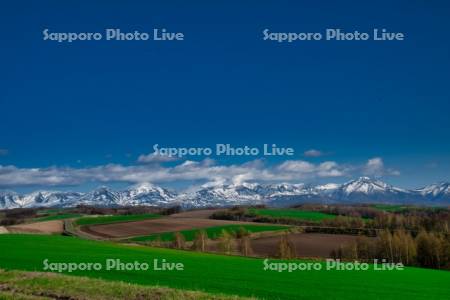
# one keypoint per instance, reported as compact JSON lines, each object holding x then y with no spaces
{"x":71,"y":110}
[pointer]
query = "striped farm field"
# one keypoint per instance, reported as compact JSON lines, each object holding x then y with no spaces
{"x":292,"y":213}
{"x":212,"y":232}
{"x":97,"y":220}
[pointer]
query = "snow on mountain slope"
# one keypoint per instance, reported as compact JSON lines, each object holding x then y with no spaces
{"x":35,"y":199}
{"x":361,"y":190}
{"x":9,"y":199}
{"x":48,"y":199}
{"x":224,"y":195}
{"x":435,"y":191}
{"x":146,"y":194}
{"x":366,"y":190}
{"x":101,"y":196}
{"x":143,"y":194}
{"x":368,"y":186}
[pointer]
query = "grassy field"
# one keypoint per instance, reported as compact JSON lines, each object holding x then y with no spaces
{"x":292,"y":213}
{"x":222,"y":274}
{"x":57,"y":217}
{"x":26,"y":285}
{"x":114,"y":219}
{"x":212,"y":232}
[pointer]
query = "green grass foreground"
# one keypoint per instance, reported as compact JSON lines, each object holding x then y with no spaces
{"x":36,"y":285}
{"x":222,"y":274}
{"x":212,"y":232}
{"x":292,"y":213}
{"x":114,"y":219}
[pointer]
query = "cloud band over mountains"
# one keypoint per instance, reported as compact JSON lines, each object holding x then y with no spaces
{"x":206,"y":170}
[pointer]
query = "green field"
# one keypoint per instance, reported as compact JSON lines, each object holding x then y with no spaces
{"x":212,"y":232}
{"x":114,"y":219}
{"x":57,"y":217}
{"x":292,"y":213}
{"x":222,"y":274}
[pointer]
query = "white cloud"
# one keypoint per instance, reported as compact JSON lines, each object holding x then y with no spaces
{"x":297,"y":166}
{"x":331,"y":169}
{"x":199,"y":171}
{"x":375,"y":167}
{"x":313,"y":153}
{"x":155,"y":158}
{"x":307,"y":169}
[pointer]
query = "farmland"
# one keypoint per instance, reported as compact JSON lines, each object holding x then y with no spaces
{"x":218,"y":274}
{"x":114,"y":219}
{"x":212,"y":232}
{"x":292,"y":213}
{"x":153,"y":226}
{"x":44,"y":227}
{"x":305,"y":244}
{"x":62,"y":216}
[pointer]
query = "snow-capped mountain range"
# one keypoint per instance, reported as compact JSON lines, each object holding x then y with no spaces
{"x":361,"y":190}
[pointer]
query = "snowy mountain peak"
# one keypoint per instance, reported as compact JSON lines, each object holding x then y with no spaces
{"x":101,"y":196}
{"x":8,"y":199}
{"x":366,"y":185}
{"x":361,"y":190}
{"x":144,"y":187}
{"x":437,"y":189}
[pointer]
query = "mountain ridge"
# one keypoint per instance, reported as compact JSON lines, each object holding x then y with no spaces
{"x":361,"y":190}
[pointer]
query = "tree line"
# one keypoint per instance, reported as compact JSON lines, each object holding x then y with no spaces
{"x":227,"y":242}
{"x":426,"y":249}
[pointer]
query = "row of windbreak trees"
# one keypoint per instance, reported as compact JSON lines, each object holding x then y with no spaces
{"x":415,"y":237}
{"x":227,"y":242}
{"x":351,"y":217}
{"x":16,"y":216}
{"x":238,"y":242}
{"x":426,"y":249}
{"x":435,"y":221}
{"x":409,"y":218}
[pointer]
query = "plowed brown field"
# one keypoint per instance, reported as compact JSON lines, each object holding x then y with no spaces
{"x":47,"y":227}
{"x":147,"y":227}
{"x":306,"y":244}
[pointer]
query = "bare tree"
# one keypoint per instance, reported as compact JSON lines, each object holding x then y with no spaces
{"x":200,"y":241}
{"x":226,"y":242}
{"x":245,"y":246}
{"x":156,"y":242}
{"x":179,"y":240}
{"x":286,"y":249}
{"x":241,"y":232}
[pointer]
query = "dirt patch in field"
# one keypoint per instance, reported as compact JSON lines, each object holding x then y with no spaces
{"x":147,"y":227}
{"x":197,"y":214}
{"x":306,"y":244}
{"x":47,"y":227}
